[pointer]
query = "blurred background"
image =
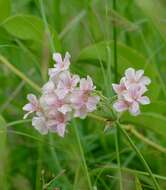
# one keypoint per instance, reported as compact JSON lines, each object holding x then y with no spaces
{"x":86,"y":159}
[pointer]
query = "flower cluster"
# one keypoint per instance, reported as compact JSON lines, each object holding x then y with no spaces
{"x":64,"y":97}
{"x":131,"y":91}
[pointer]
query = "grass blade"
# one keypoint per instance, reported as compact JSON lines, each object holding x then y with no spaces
{"x":140,"y":156}
{"x":3,"y":155}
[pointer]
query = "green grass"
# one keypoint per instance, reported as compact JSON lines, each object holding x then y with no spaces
{"x":103,"y":40}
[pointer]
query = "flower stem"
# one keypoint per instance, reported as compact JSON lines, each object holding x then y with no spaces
{"x":19,"y":73}
{"x":144,"y":139}
{"x":46,"y":26}
{"x":82,"y":155}
{"x":115,"y":46}
{"x":118,"y":157}
{"x":139,"y":155}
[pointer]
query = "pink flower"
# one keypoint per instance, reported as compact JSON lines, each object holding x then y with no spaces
{"x":63,"y":97}
{"x":86,"y":84}
{"x":130,"y":91}
{"x":58,"y":123}
{"x":52,"y":102}
{"x":40,"y":125}
{"x":131,"y":100}
{"x":32,"y":106}
{"x":61,"y":65}
{"x":83,"y":100}
{"x":66,"y":84}
{"x":119,"y":88}
{"x":48,"y":88}
{"x":136,"y":77}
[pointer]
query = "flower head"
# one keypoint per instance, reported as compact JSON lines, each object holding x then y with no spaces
{"x":61,"y":65}
{"x":131,"y":91}
{"x":83,"y":100}
{"x":32,"y":106}
{"x":136,"y":77}
{"x":64,"y":97}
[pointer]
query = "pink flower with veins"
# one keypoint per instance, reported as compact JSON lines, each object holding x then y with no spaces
{"x":136,"y":77}
{"x":131,"y":100}
{"x":66,"y":84}
{"x":32,"y":106}
{"x":87,"y":84}
{"x":83,"y":100}
{"x":40,"y":124}
{"x":48,"y":88}
{"x":58,"y":123}
{"x":119,"y":88}
{"x":61,"y":65}
{"x":52,"y":102}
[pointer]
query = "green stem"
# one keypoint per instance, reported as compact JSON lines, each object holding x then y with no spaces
{"x":139,"y":155}
{"x":46,"y":26}
{"x":115,"y":46}
{"x":18,"y":73}
{"x":144,"y":139}
{"x":118,"y":157}
{"x":82,"y":156}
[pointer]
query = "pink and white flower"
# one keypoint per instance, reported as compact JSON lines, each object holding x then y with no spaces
{"x":66,"y":84}
{"x":58,"y":123}
{"x":39,"y":123}
{"x":136,"y":77}
{"x":83,"y":100}
{"x":32,"y":106}
{"x":131,"y":91}
{"x":61,"y":65}
{"x":63,"y":97}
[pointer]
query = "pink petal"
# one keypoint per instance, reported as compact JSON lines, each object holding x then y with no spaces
{"x":61,"y":129}
{"x":67,"y":60}
{"x":32,"y":98}
{"x":40,"y":125}
{"x":57,"y":58}
{"x":145,"y":80}
{"x":144,"y":100}
{"x":130,"y":73}
{"x":61,"y":93}
{"x":75,"y":80}
{"x":81,"y":113}
{"x":120,"y":106}
{"x":65,"y":108}
{"x":28,"y":107}
{"x":134,"y":109}
{"x":92,"y":102}
{"x":48,"y":87}
{"x":139,"y":74}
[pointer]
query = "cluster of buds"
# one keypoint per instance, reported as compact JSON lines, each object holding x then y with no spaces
{"x":64,"y":96}
{"x":130,"y":91}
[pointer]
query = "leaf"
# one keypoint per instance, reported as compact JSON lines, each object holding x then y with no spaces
{"x":150,"y":8}
{"x":3,"y":154}
{"x":150,"y":120}
{"x":27,"y":27}
{"x":122,"y":22}
{"x":127,"y":57}
{"x":137,"y":184}
{"x":5,"y":9}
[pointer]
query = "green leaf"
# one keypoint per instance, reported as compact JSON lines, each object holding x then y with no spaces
{"x":150,"y":120}
{"x":137,"y":184}
{"x":5,"y":9}
{"x":3,"y":154}
{"x":27,"y":27}
{"x":122,"y":22}
{"x":156,"y":12}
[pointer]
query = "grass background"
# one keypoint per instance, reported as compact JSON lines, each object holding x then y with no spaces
{"x":91,"y":30}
